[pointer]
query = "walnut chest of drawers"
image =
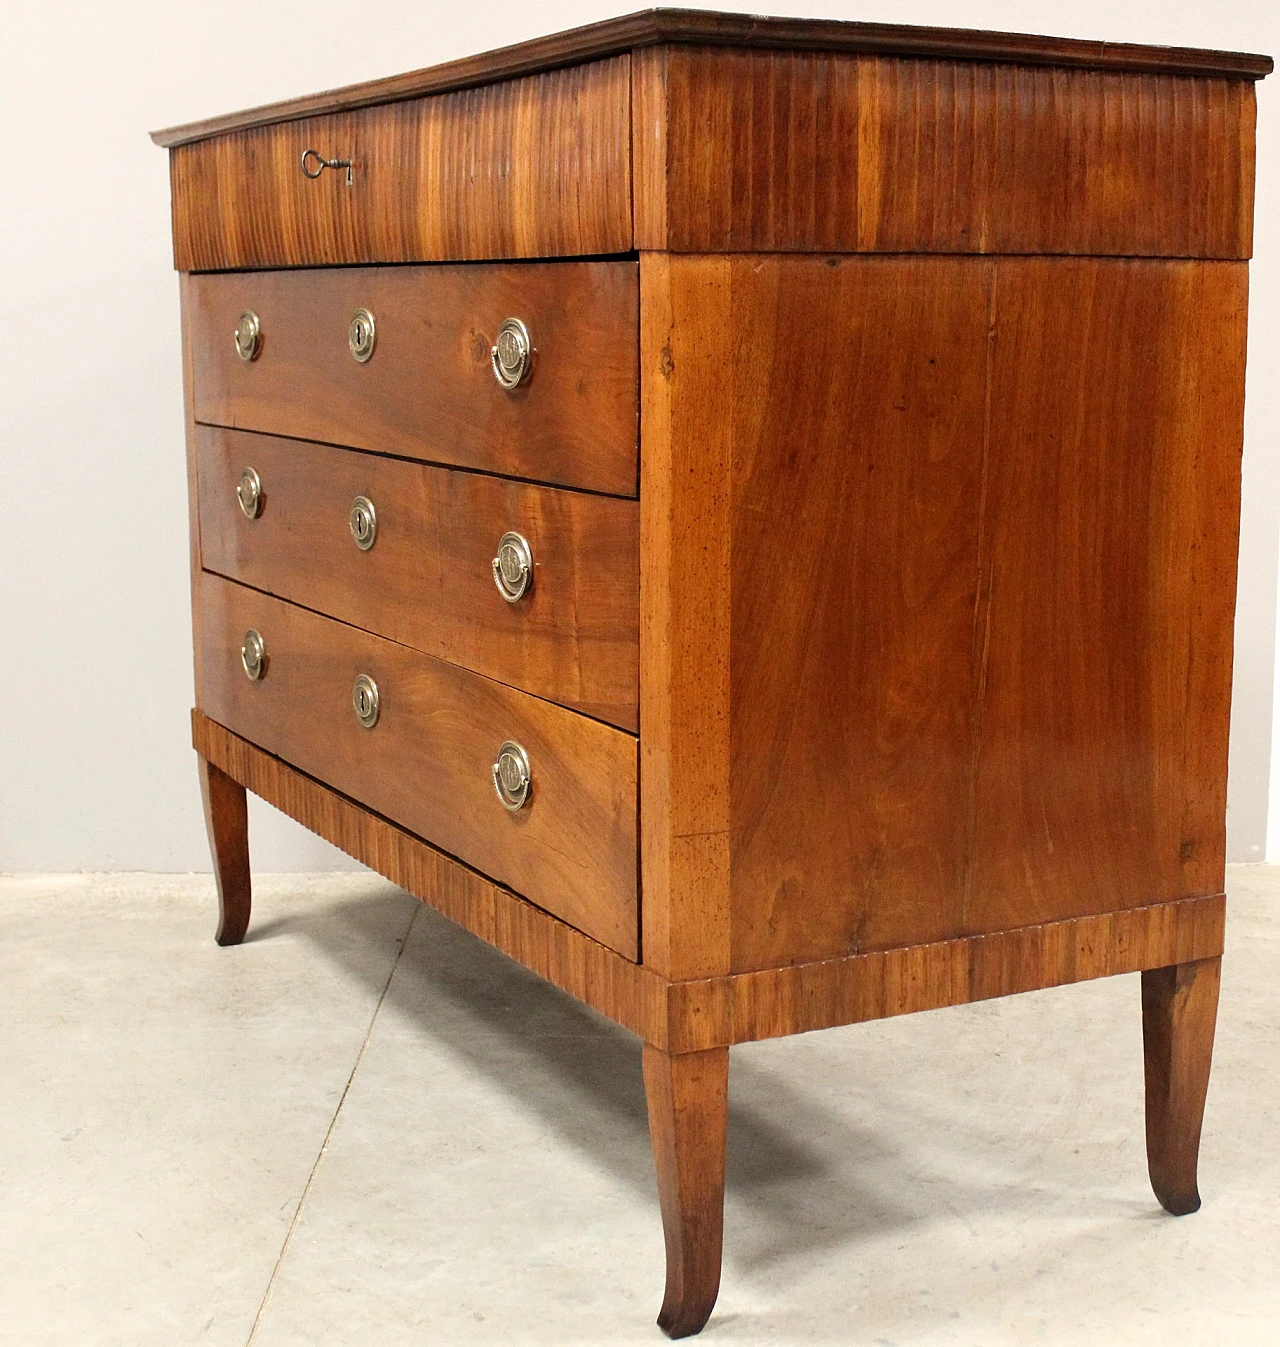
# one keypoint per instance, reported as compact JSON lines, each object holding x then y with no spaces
{"x":742,"y":516}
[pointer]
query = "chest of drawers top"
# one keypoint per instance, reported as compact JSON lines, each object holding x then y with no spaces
{"x":697,"y":132}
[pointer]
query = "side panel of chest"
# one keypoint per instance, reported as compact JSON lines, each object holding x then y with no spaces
{"x":978,"y":522}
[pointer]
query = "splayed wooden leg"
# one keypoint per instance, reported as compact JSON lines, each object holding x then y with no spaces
{"x":226,"y":815}
{"x":1179,"y":1011}
{"x":688,"y":1114}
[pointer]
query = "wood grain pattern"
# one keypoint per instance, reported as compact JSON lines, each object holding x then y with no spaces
{"x":953,"y":549}
{"x":1179,"y":1013}
{"x":684,"y":615}
{"x":429,"y":391}
{"x":716,"y":1012}
{"x":637,"y":31}
{"x":585,"y":969}
{"x":688,"y":1100}
{"x":536,"y":167}
{"x":776,"y":1002}
{"x":427,"y":582}
{"x":742,"y":151}
{"x":226,"y":818}
{"x":925,"y":604}
{"x":858,"y":422}
{"x":189,"y":448}
{"x":1108,"y":567}
{"x":428,"y":761}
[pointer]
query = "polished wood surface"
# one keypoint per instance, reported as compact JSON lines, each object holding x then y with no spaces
{"x":428,"y":762}
{"x":685,"y":578}
{"x":429,"y":391}
{"x":226,"y":817}
{"x":1107,"y":602}
{"x":189,"y":448}
{"x":859,"y":417}
{"x":612,"y":37}
{"x":1179,"y":1013}
{"x":774,"y":1002}
{"x":427,"y":582}
{"x":692,"y":1016}
{"x":918,"y":594}
{"x":937,"y":617}
{"x":688,"y":1099}
{"x":627,"y":993}
{"x":741,"y":151}
{"x":536,"y":167}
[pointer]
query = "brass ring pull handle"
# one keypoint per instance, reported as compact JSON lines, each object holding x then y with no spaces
{"x":512,"y":776}
{"x":512,"y":354}
{"x":321,"y":163}
{"x":513,"y":567}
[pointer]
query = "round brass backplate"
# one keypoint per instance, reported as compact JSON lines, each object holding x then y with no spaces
{"x":249,"y":493}
{"x":253,"y":655}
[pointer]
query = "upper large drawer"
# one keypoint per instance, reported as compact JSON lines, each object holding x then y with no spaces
{"x":428,"y":391}
{"x":534,"y":167}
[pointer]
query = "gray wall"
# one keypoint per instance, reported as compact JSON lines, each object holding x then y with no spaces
{"x":96,"y":770}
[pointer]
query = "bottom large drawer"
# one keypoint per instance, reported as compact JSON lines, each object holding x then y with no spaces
{"x":428,"y":758}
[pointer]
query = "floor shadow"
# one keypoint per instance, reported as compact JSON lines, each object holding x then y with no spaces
{"x":788,"y":1171}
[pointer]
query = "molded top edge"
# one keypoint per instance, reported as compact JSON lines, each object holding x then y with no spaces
{"x":613,"y":37}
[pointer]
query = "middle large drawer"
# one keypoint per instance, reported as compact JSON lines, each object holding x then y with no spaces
{"x":283,"y":515}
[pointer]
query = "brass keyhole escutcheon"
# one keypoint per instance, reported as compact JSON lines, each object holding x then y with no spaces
{"x":363,"y":521}
{"x":365,"y":700}
{"x":362,"y":335}
{"x":512,"y":776}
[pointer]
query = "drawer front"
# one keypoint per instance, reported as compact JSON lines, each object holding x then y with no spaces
{"x":428,"y":390}
{"x":532,"y":167}
{"x":428,"y":762}
{"x":427,"y":578}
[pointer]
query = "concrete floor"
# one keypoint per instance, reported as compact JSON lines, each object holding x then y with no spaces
{"x":365,"y":1127}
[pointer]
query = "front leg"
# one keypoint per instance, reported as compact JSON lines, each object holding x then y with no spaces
{"x":226,"y":816}
{"x":1179,"y":1011}
{"x":688,"y":1115}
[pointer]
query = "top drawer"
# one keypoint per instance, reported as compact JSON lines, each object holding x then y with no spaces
{"x":533,"y":167}
{"x":427,"y":388}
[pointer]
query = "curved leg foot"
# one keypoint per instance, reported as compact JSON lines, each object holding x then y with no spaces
{"x":226,"y":815}
{"x":688,"y":1113}
{"x":1179,"y":1011}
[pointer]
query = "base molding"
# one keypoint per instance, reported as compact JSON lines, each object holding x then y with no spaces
{"x":693,"y":1016}
{"x":777,"y":1001}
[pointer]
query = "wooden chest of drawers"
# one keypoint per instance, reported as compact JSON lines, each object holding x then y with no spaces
{"x":764,"y":558}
